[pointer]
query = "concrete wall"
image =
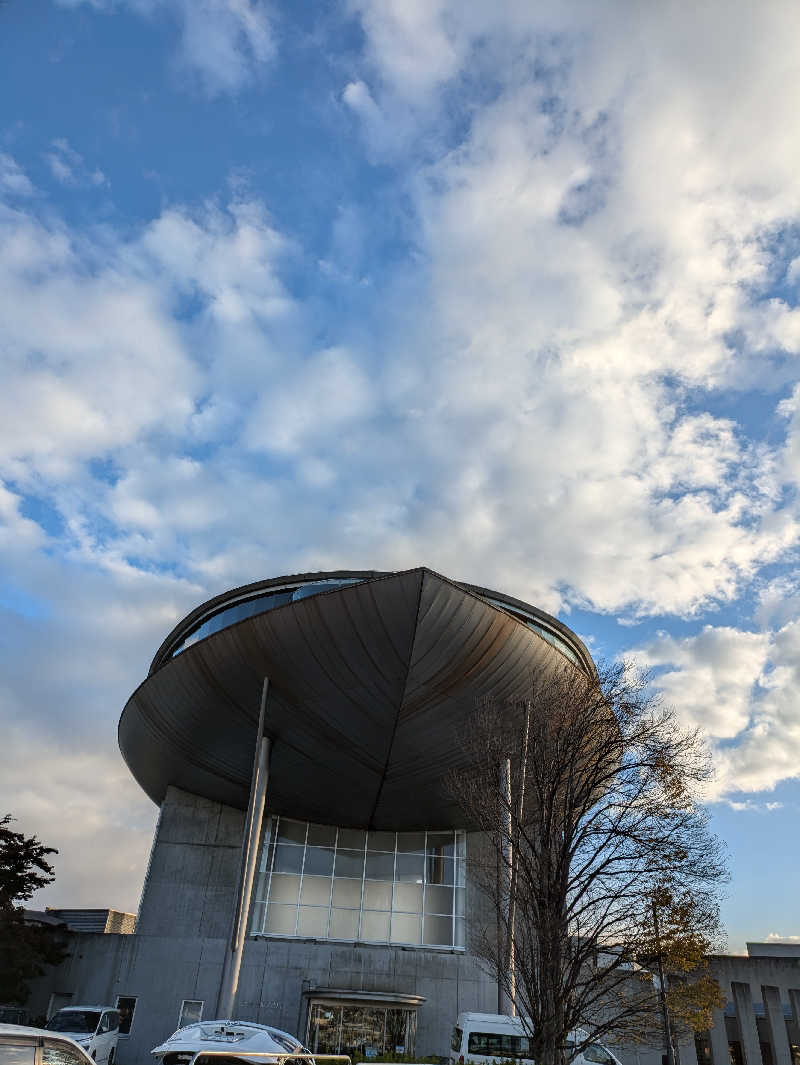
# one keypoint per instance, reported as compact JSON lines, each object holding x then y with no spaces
{"x":161,"y":971}
{"x":184,"y":923}
{"x":193,"y":873}
{"x":178,"y":949}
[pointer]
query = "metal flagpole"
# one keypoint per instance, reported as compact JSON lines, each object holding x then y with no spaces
{"x":507,"y":865}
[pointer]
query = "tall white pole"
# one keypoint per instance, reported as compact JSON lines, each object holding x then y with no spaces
{"x":506,"y":830}
{"x":252,"y":834}
{"x":512,"y":894}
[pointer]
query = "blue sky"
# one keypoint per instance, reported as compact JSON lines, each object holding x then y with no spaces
{"x":505,"y":289}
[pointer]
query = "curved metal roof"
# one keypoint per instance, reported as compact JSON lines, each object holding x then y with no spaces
{"x":369,"y":686}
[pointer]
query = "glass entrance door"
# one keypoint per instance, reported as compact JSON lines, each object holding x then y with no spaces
{"x":362,"y":1031}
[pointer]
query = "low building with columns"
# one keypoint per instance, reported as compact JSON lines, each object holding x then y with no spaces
{"x":760,"y":1024}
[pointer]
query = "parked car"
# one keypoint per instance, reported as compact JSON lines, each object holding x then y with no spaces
{"x":13,"y":1015}
{"x":483,"y":1038}
{"x":231,"y":1038}
{"x":95,"y":1028}
{"x":21,"y":1045}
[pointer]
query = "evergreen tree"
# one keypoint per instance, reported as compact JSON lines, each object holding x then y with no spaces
{"x":25,"y":948}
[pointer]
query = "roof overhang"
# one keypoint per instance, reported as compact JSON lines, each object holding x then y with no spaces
{"x":370,"y":688}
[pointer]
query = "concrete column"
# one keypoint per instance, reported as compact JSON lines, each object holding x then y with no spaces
{"x":687,"y":1053}
{"x":743,"y":1001}
{"x":777,"y":1025}
{"x":794,"y":999}
{"x":718,"y":1037}
{"x":252,"y":834}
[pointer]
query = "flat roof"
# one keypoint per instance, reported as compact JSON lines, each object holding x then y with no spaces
{"x":370,"y":686}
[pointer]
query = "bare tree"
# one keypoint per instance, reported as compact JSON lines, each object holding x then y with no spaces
{"x":586,"y":793}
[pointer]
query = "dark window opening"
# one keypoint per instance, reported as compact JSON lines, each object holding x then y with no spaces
{"x":127,"y":1007}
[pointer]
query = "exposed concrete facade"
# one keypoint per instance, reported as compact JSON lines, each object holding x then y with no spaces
{"x":184,"y":921}
{"x":178,"y":949}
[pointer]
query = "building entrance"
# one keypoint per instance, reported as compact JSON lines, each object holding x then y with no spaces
{"x":364,"y":1030}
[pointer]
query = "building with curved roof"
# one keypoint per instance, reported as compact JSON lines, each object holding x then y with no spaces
{"x":308,"y":864}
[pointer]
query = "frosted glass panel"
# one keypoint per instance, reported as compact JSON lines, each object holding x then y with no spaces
{"x":377,"y":895}
{"x":280,"y":919}
{"x":375,"y":926}
{"x":438,"y":899}
{"x":438,"y":930}
{"x":344,"y":924}
{"x":460,"y":902}
{"x":284,"y":888}
{"x":379,"y":866}
{"x":319,"y":861}
{"x":406,"y":928}
{"x":288,"y":859}
{"x":349,"y":863}
{"x":410,"y":868}
{"x":312,"y":921}
{"x":316,"y":891}
{"x":347,"y":893}
{"x":408,"y":897}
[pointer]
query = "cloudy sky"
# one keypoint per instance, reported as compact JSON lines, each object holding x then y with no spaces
{"x":502,"y":288}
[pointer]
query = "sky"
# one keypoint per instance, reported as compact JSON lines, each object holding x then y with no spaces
{"x":505,"y":289}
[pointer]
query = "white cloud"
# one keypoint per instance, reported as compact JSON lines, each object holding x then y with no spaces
{"x":223,"y":43}
{"x":13,"y":178}
{"x":741,"y":689}
{"x":91,"y":359}
{"x":537,"y":397}
{"x":756,"y":807}
{"x":310,"y":404}
{"x":68,"y":166}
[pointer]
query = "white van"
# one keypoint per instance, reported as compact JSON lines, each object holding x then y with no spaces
{"x":95,"y":1028}
{"x":483,"y":1038}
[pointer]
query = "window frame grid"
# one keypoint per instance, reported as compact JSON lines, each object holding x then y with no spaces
{"x":271,"y":839}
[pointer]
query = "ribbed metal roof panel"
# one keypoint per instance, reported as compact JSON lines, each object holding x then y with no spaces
{"x":370,"y":687}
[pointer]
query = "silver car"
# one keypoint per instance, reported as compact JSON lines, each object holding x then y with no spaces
{"x":20,"y":1045}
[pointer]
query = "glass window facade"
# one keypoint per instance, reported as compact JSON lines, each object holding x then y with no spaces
{"x":381,"y":887}
{"x":536,"y":626}
{"x":259,"y":604}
